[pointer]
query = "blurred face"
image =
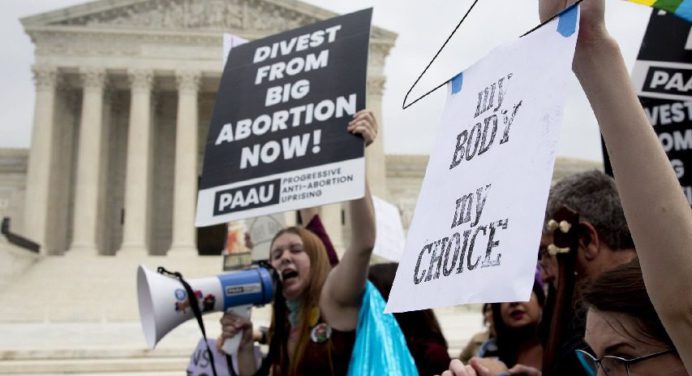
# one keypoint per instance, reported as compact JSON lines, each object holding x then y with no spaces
{"x":487,"y":315}
{"x":547,"y":264}
{"x":291,"y":263}
{"x":488,"y":319}
{"x":521,"y":314}
{"x":617,"y":334}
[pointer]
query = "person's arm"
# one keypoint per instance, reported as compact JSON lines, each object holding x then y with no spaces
{"x":656,"y":210}
{"x":308,"y":214}
{"x":341,"y":295}
{"x":312,"y":222}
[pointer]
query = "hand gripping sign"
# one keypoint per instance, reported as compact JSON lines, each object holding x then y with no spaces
{"x":476,"y":229}
{"x":278,"y":139}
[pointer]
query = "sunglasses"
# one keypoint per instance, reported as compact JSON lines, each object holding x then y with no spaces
{"x":612,"y":365}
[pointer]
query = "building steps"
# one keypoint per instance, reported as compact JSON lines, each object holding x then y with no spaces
{"x":77,"y":314}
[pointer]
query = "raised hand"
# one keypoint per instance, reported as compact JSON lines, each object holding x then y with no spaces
{"x":364,"y":124}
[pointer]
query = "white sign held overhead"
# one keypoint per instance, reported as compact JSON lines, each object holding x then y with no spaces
{"x":475,"y":233}
{"x":390,"y":239}
{"x":230,"y":41}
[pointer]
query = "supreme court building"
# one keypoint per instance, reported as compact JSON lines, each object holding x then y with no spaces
{"x":124,"y":95}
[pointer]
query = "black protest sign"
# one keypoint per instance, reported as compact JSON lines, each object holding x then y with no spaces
{"x":664,"y":63}
{"x":666,"y":39}
{"x":663,"y":78}
{"x":278,"y":139}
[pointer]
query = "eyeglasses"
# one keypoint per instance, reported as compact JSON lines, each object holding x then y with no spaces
{"x":612,"y":365}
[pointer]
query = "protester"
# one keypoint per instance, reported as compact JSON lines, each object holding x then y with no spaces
{"x":623,"y":329}
{"x":603,"y":242}
{"x":421,"y":329}
{"x":517,"y":339}
{"x":315,"y":309}
{"x":655,"y":208}
{"x":483,"y":343}
{"x":314,"y":224}
{"x":516,"y":327}
{"x":547,"y":263}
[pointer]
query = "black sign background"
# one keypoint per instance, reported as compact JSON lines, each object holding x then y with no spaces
{"x":664,"y":41}
{"x":239,"y":98}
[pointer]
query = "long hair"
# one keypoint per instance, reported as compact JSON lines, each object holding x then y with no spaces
{"x":279,"y":331}
{"x":421,"y":329}
{"x":508,"y":339}
{"x":622,"y":290}
{"x":415,"y":324}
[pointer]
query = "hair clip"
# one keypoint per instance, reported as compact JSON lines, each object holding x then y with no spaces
{"x":553,"y":225}
{"x":553,"y":250}
{"x":565,"y":226}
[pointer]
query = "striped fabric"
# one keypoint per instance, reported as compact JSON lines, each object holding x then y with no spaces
{"x":681,"y":8}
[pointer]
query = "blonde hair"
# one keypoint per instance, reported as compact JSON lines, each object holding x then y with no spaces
{"x":279,"y":331}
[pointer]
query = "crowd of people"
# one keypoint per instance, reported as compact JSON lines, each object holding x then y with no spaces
{"x":613,"y":304}
{"x":626,"y":273}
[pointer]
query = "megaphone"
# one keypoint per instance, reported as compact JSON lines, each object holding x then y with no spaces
{"x":164,"y":304}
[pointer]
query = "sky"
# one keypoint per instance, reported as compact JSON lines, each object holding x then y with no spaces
{"x":422,"y":27}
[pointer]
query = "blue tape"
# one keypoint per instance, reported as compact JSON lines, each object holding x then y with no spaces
{"x":567,"y":22}
{"x":457,"y":82}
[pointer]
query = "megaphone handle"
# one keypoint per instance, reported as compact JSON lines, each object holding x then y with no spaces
{"x":230,"y":346}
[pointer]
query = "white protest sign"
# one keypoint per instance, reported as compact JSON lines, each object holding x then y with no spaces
{"x":476,"y":229}
{"x":230,"y":41}
{"x":278,"y":138}
{"x":200,"y":363}
{"x":390,"y":232}
{"x":262,"y":230}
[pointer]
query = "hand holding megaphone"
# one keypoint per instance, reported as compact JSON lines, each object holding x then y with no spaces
{"x":236,"y":330}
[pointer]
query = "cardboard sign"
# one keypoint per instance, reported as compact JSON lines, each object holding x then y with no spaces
{"x":664,"y":65}
{"x":662,"y":76}
{"x":278,"y":139}
{"x":200,"y":364}
{"x":476,"y":229}
{"x":262,"y":230}
{"x":390,"y":238}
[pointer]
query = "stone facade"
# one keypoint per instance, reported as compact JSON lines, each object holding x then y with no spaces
{"x":13,"y":185}
{"x":124,"y":95}
{"x":404,"y":178}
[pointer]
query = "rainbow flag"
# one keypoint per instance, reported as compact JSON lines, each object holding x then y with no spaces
{"x":681,"y":8}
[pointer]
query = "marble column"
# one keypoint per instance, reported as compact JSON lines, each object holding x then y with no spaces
{"x":185,"y":181}
{"x":139,"y":160}
{"x":375,"y":160}
{"x":89,"y":162}
{"x":331,"y":219}
{"x":40,"y":173}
